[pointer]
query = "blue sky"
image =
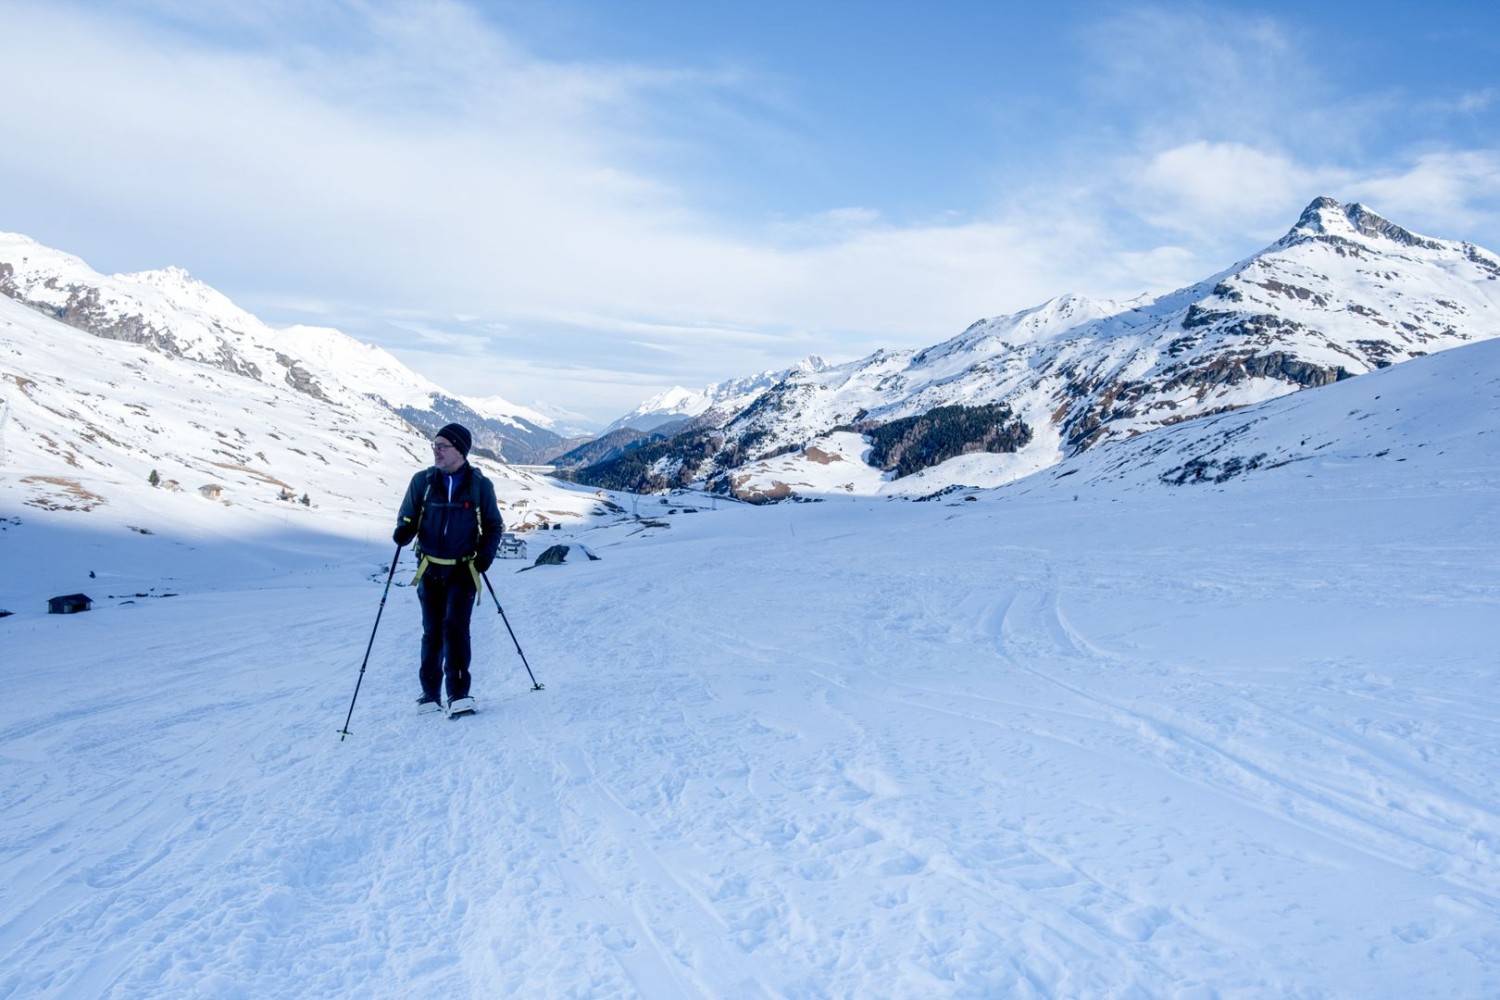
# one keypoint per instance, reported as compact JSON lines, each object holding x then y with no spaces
{"x":584,"y":202}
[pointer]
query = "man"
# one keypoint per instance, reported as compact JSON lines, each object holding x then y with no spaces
{"x":450,"y":510}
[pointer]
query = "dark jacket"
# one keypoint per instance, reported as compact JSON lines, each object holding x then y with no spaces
{"x":467,"y":525}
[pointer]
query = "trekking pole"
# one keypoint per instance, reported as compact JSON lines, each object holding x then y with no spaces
{"x":389,"y":577}
{"x":534,"y":685}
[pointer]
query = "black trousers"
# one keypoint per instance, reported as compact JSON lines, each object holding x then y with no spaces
{"x":447,"y":596}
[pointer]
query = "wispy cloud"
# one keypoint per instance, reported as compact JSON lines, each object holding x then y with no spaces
{"x":1225,"y":187}
{"x":1478,"y":101}
{"x":1222,"y":123}
{"x":1452,"y":192}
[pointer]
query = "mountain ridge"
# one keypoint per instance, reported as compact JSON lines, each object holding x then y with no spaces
{"x":678,"y":405}
{"x":169,"y":311}
{"x":1342,"y":293}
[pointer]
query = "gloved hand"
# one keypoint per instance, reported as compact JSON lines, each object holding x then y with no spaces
{"x":404,"y":533}
{"x":483,"y":562}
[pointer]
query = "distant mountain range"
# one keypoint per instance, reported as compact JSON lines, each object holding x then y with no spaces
{"x":171,"y":313}
{"x":1344,"y":292}
{"x":678,"y":410}
{"x":677,"y":407}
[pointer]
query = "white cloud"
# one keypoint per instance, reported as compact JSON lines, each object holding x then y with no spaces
{"x":1200,"y":71}
{"x":1206,"y":186}
{"x":1445,"y":193}
{"x":1478,"y":101}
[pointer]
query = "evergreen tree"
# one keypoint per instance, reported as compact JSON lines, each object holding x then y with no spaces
{"x":910,"y":444}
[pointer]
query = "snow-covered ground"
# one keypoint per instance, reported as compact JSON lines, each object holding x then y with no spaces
{"x":1215,"y":740}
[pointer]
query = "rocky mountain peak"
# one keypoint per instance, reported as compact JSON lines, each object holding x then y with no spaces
{"x":1323,"y":216}
{"x":1327,"y":218}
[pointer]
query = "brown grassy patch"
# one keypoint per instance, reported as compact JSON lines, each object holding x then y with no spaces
{"x":778,"y":491}
{"x":264,"y":477}
{"x":68,"y":494}
{"x":21,"y":382}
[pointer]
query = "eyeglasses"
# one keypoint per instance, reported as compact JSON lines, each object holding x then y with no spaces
{"x":441,"y":446}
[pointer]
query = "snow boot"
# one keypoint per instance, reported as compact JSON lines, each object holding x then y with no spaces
{"x":426,"y":705}
{"x":458,"y":707}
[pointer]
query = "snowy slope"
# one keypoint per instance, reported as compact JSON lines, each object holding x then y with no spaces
{"x":337,"y":357}
{"x":167,"y":310}
{"x":1216,"y":739}
{"x":1408,"y":422}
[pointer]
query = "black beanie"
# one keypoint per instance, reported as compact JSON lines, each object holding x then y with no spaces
{"x":459,"y":437}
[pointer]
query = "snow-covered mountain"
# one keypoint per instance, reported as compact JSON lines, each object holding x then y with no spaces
{"x":557,"y":419}
{"x":1345,"y":292}
{"x":170,"y":312}
{"x":192,"y":415}
{"x":674,"y":412}
{"x":713,"y":403}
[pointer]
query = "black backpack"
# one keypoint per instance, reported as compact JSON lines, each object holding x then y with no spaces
{"x":474,"y":503}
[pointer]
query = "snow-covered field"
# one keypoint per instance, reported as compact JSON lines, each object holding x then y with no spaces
{"x":1235,"y":740}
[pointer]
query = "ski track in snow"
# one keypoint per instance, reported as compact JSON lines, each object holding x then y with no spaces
{"x":933,"y":756}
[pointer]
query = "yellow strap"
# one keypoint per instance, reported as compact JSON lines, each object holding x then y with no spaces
{"x":473,"y":571}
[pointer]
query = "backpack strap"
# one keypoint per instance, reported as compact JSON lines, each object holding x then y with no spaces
{"x":474,"y":497}
{"x":432,"y":475}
